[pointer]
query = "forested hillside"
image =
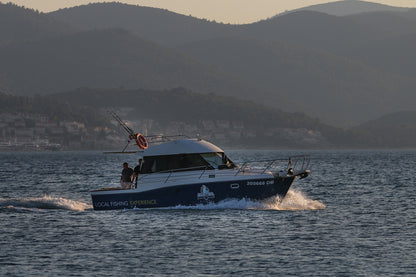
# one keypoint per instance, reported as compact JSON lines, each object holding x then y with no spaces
{"x":158,"y":25}
{"x":395,"y":55}
{"x":115,"y":58}
{"x":340,"y":87}
{"x":56,"y":109}
{"x":267,"y":126}
{"x":398,"y":129}
{"x":346,"y":68}
{"x":20,"y":24}
{"x":225,"y":120}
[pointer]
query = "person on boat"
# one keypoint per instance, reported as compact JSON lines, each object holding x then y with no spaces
{"x":126,"y":176}
{"x":136,"y":172}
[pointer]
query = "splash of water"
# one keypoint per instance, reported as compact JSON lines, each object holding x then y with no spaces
{"x":43,"y":203}
{"x":240,"y":204}
{"x":294,"y":200}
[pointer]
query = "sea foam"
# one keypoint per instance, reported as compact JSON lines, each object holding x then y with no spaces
{"x":294,"y":200}
{"x":43,"y":203}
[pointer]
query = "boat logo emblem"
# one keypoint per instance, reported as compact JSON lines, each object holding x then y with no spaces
{"x":205,"y":193}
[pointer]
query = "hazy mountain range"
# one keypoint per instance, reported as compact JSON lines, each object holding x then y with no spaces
{"x":349,"y":7}
{"x":346,"y":62}
{"x":20,"y":25}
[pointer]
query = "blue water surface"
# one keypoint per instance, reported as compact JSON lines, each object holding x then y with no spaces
{"x":354,"y":215}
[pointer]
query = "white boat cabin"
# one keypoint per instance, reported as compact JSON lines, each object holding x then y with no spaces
{"x":184,"y":155}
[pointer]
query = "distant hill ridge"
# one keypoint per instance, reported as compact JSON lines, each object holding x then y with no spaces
{"x":171,"y":29}
{"x":395,"y":129}
{"x":159,"y":25}
{"x":349,"y":7}
{"x":21,"y":24}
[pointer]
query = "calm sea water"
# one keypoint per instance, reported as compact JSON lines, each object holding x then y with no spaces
{"x":354,"y":215}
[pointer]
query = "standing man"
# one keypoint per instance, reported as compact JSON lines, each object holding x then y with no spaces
{"x":126,"y":175}
{"x":136,"y":172}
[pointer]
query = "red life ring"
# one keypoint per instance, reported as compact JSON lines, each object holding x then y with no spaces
{"x":141,"y":141}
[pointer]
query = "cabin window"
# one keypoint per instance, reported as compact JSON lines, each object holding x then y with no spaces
{"x":185,"y":162}
{"x":174,"y":162}
{"x":214,"y":159}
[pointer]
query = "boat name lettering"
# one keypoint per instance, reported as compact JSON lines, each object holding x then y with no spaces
{"x":111,"y":204}
{"x":143,"y":202}
{"x":260,"y":183}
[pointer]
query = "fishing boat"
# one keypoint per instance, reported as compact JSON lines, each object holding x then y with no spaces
{"x":187,"y":172}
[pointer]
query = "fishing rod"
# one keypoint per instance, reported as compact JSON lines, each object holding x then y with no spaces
{"x":123,"y":124}
{"x":139,"y":138}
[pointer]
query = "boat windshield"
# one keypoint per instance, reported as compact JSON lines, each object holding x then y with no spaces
{"x":185,"y":162}
{"x":218,"y":160}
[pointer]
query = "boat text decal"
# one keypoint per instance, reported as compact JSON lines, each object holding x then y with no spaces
{"x":260,"y":183}
{"x":111,"y":204}
{"x":143,"y":202}
{"x":124,"y":204}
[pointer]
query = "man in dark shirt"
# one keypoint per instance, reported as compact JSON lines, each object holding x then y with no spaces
{"x":126,"y":174}
{"x":137,"y":172}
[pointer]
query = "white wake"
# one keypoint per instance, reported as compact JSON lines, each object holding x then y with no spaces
{"x":294,"y":200}
{"x":44,"y":203}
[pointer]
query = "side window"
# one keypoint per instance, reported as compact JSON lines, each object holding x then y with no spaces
{"x":195,"y":161}
{"x":148,"y":165}
{"x":173,"y":162}
{"x":218,"y":160}
{"x":213,"y":159}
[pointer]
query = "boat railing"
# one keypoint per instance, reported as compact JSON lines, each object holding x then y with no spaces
{"x":293,"y":164}
{"x":191,"y":172}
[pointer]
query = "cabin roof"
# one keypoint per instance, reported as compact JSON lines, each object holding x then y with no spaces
{"x":185,"y":146}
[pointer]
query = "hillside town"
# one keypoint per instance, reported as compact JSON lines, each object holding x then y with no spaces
{"x":24,"y":131}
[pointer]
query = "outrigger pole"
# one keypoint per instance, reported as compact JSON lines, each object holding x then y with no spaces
{"x":139,"y":138}
{"x":123,"y":124}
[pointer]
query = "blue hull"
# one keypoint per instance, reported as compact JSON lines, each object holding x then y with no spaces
{"x":193,"y":194}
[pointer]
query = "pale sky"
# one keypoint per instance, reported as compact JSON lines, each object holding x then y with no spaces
{"x":227,"y":11}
